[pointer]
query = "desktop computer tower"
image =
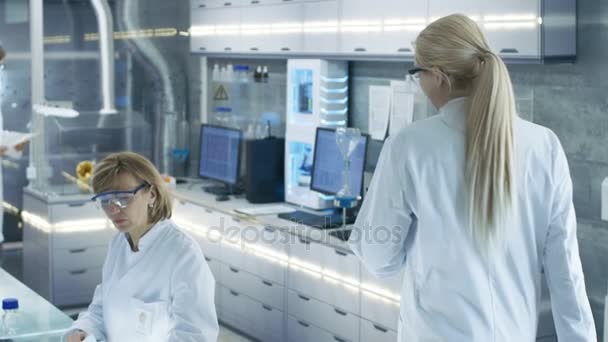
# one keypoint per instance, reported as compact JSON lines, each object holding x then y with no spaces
{"x":264,"y":170}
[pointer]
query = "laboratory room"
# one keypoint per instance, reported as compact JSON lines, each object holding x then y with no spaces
{"x":304,"y":170}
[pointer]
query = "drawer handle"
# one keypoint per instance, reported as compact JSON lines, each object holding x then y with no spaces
{"x":202,"y":48}
{"x":79,"y":250}
{"x":209,"y":211}
{"x":379,"y":328}
{"x":340,"y":312}
{"x":227,"y":49}
{"x":207,"y":259}
{"x":340,"y":252}
{"x":339,"y":339}
{"x":234,"y":270}
{"x":304,"y":298}
{"x":202,"y":6}
{"x":267,"y":283}
{"x":255,"y":2}
{"x":254,"y":49}
{"x":267,"y":308}
{"x":509,"y":50}
{"x":404,"y":50}
{"x":305,"y":325}
{"x":236,"y":219}
{"x":75,"y":204}
{"x":285,"y":49}
{"x":77,"y":272}
{"x":360,"y":49}
{"x":234,"y":293}
{"x":269,"y":229}
{"x":228,"y":4}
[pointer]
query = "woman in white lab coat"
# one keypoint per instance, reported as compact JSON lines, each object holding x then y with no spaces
{"x":474,"y":205}
{"x":156,"y":284}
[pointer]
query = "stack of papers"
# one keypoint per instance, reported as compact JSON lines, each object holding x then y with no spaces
{"x":266,"y":210}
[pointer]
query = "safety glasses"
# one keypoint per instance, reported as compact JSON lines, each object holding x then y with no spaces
{"x":119,"y":199}
{"x":415,"y":72}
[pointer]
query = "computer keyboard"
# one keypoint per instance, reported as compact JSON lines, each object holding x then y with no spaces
{"x":315,"y":220}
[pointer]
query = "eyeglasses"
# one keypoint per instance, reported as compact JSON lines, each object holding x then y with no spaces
{"x":119,"y":199}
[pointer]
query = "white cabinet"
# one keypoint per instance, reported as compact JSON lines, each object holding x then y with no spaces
{"x":264,"y":291}
{"x":374,"y":332}
{"x":323,"y":315}
{"x":379,"y":299}
{"x":402,"y":22}
{"x":360,"y":26}
{"x":321,"y":27}
{"x":64,"y":247}
{"x":441,"y":8}
{"x":216,"y":30}
{"x":301,"y":331}
{"x":512,"y":28}
{"x":268,"y":248}
{"x":274,"y":28}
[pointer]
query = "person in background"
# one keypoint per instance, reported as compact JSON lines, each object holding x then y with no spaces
{"x":477,"y":203}
{"x":4,"y":150}
{"x":156,"y":284}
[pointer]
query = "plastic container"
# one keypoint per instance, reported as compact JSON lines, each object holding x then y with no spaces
{"x":10,"y":317}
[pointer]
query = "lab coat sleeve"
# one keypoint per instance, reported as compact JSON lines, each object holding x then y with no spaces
{"x":562,"y":264}
{"x":385,"y":219}
{"x":192,"y":308}
{"x":91,"y":321}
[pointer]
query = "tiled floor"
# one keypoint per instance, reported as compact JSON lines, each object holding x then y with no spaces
{"x":12,"y":261}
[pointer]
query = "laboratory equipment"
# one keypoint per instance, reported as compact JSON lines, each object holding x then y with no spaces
{"x":317,"y":96}
{"x":220,"y":155}
{"x":347,"y":140}
{"x":327,"y":176}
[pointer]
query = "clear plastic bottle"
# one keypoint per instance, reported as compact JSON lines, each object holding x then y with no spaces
{"x":215,"y":74}
{"x":229,"y":73}
{"x":10,"y":306}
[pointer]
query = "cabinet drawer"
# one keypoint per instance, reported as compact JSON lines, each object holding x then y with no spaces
{"x":75,"y":286}
{"x":261,"y":290}
{"x":83,"y":239}
{"x":78,"y":258}
{"x":324,"y":315}
{"x":301,"y":331}
{"x":374,"y":332}
{"x":380,"y":310}
{"x":215,"y":267}
{"x":268,"y":323}
{"x":60,"y":213}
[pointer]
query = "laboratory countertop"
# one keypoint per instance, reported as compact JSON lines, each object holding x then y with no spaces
{"x":58,"y":195}
{"x":194,"y":194}
{"x":38,"y":320}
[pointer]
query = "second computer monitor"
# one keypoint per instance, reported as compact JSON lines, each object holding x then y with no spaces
{"x":327,"y":164}
{"x":220,"y":154}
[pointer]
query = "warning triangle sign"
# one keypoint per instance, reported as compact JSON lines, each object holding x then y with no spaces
{"x":221,"y":94}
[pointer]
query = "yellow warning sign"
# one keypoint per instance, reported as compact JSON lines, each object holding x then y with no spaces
{"x":221,"y":94}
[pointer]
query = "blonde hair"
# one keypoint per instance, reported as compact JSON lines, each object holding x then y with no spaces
{"x":106,"y":171}
{"x":456,"y":47}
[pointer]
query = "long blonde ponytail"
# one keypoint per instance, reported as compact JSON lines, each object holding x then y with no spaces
{"x":456,"y":46}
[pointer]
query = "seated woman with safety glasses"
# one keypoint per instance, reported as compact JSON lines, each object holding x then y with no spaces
{"x":156,"y":284}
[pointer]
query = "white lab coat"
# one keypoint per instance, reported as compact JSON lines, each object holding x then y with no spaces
{"x":164,"y":292}
{"x":449,"y":292}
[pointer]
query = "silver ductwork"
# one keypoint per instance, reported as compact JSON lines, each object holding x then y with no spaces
{"x":106,"y":47}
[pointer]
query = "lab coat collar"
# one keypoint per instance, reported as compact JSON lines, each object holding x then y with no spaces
{"x":453,"y":113}
{"x":151,"y":236}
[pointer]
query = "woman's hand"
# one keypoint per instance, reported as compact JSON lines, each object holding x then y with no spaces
{"x":19,"y":147}
{"x":76,"y":336}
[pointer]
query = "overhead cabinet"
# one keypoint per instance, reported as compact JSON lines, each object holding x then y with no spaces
{"x":375,"y":29}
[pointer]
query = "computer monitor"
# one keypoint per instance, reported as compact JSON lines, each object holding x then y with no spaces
{"x":220,"y":154}
{"x":327,"y":164}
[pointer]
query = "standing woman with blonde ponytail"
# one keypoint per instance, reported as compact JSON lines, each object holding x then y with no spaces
{"x":475,"y":204}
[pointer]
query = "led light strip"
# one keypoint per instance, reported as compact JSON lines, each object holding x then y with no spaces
{"x":315,"y":271}
{"x":73,"y":226}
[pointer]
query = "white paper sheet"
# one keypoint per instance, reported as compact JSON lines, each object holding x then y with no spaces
{"x":11,"y":138}
{"x":402,"y":106}
{"x":379,"y":111}
{"x":266,"y":210}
